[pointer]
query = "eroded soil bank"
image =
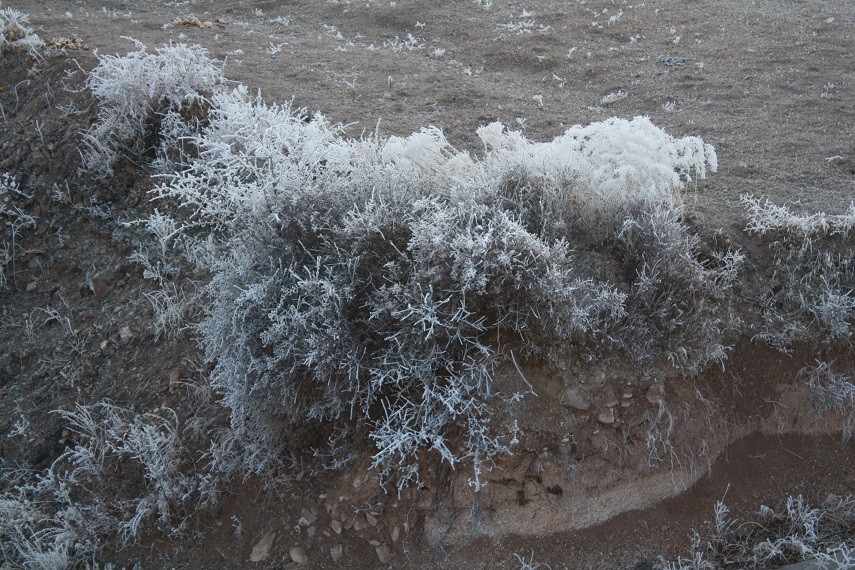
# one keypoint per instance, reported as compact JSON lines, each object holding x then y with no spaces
{"x":770,"y":86}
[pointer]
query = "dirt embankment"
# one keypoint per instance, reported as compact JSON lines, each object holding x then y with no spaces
{"x":616,"y":463}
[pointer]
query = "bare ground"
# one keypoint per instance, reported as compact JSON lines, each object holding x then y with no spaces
{"x":770,"y":85}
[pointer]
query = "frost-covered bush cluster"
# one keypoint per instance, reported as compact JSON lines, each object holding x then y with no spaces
{"x":15,"y":31}
{"x":798,"y":531}
{"x":141,"y":93}
{"x":123,"y":471}
{"x":173,"y":295}
{"x":380,"y":282}
{"x":812,"y":290}
{"x":832,"y":392}
{"x":677,"y":303}
{"x":13,"y":219}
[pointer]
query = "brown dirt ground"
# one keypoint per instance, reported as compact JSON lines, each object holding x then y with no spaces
{"x":770,"y":84}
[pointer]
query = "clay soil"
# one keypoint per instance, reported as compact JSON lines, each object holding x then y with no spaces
{"x":771,"y":84}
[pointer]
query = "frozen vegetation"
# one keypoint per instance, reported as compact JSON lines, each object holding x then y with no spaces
{"x":376,"y":285}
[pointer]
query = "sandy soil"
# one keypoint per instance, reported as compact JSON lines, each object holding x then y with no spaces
{"x":770,"y":84}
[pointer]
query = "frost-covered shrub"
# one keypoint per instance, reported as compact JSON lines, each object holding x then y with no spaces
{"x":832,"y":392}
{"x":677,"y":301}
{"x":617,"y":159}
{"x":15,"y":31}
{"x":137,"y":91}
{"x":797,"y":531}
{"x":378,"y":283}
{"x":812,"y":290}
{"x":65,"y":514}
{"x":173,"y":298}
{"x":14,"y":220}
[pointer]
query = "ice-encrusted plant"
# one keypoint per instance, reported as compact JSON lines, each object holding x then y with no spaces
{"x":14,"y":220}
{"x":797,"y":531}
{"x":832,"y":392}
{"x":384,"y":280}
{"x":381,"y":281}
{"x":68,"y":512}
{"x":136,"y":91}
{"x":16,"y":32}
{"x":812,"y":290}
{"x":677,"y":302}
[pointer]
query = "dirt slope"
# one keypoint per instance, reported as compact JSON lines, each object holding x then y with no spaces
{"x":769,"y":84}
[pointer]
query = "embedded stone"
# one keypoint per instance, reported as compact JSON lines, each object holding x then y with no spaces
{"x":606,"y":416}
{"x":299,"y":555}
{"x":655,"y":394}
{"x":383,"y":553}
{"x":308,"y":518}
{"x":572,"y":398}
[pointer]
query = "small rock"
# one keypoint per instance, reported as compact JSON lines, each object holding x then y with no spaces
{"x":99,"y":287}
{"x":126,"y":334}
{"x":627,"y":395}
{"x":639,"y":419}
{"x":374,"y":542}
{"x":174,"y":381}
{"x":383,"y":553}
{"x":573,"y":399}
{"x":336,"y":526}
{"x":310,"y":532}
{"x":32,"y":286}
{"x":612,"y":403}
{"x":372,"y":520}
{"x":261,"y":550}
{"x":396,"y":534}
{"x":38,"y":154}
{"x":298,"y":555}
{"x":624,"y":404}
{"x":655,"y":393}
{"x":606,"y":416}
{"x":308,"y":518}
{"x":336,"y":552}
{"x":358,"y":523}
